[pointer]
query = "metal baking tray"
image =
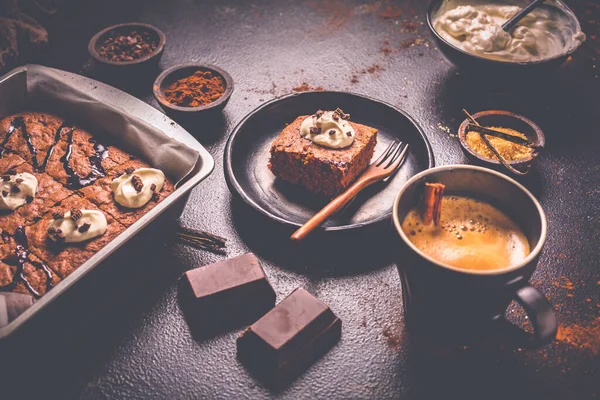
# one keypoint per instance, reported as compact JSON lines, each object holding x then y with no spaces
{"x":13,"y":86}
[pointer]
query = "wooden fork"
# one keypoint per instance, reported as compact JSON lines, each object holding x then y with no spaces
{"x":384,"y":166}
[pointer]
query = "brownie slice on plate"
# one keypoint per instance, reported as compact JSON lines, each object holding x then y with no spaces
{"x":321,"y":169}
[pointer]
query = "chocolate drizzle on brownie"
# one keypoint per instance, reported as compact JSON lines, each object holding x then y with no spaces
{"x":51,"y":149}
{"x":19,"y":123}
{"x":20,"y":257}
{"x":27,"y":137}
{"x":15,"y":124}
{"x":74,"y":181}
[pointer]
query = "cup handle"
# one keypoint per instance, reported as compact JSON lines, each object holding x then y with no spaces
{"x":541,"y":315}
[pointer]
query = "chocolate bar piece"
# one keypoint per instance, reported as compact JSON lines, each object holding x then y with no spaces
{"x":289,"y":337}
{"x":235,"y":286}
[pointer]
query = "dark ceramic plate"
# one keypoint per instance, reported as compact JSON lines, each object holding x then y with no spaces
{"x":247,"y":156}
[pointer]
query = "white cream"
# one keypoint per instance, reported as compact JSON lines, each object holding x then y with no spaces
{"x":16,"y":189}
{"x":328,"y":129}
{"x":91,"y":224}
{"x":478,"y":30}
{"x":126,"y":193}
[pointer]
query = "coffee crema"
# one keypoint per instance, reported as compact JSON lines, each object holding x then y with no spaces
{"x":471,"y":235}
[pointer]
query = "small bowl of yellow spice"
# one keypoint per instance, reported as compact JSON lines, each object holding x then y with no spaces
{"x":516,"y":138}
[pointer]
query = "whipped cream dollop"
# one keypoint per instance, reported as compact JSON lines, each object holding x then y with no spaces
{"x":135,"y":188}
{"x":16,"y":190}
{"x":328,"y":128}
{"x":77,"y":226}
{"x":543,"y":33}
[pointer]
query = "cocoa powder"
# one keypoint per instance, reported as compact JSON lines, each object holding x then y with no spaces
{"x":199,"y":89}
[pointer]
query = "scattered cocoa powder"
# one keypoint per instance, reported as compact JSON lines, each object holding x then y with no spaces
{"x":584,"y":337}
{"x":392,"y":339}
{"x":391,"y":11}
{"x":374,"y":68}
{"x":305,"y":87}
{"x":409,"y":26}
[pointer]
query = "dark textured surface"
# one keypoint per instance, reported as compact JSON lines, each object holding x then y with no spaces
{"x":120,"y":333}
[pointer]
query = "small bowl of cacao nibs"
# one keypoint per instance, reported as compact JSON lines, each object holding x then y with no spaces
{"x":130,"y":44}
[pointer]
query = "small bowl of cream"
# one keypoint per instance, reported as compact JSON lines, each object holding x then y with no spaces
{"x":470,"y":33}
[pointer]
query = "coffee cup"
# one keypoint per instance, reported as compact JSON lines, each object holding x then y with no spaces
{"x":450,"y":301}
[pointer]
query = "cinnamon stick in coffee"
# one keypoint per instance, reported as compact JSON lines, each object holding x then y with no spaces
{"x":432,"y":203}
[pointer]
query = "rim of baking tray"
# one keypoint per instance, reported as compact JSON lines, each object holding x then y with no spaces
{"x":237,"y":189}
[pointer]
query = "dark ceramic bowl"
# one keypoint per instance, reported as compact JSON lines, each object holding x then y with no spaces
{"x":504,"y":119}
{"x":151,"y":59}
{"x":488,"y":66}
{"x":173,"y":74}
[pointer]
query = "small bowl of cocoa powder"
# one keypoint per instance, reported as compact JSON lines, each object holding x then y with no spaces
{"x":192,"y":88}
{"x":130,"y":44}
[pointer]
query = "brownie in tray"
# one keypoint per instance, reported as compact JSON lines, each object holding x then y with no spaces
{"x":64,"y":195}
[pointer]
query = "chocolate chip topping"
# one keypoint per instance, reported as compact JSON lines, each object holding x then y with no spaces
{"x":155,"y":196}
{"x":76,"y":214}
{"x":59,"y":233}
{"x":331,"y":132}
{"x":51,"y":230}
{"x":129,"y":170}
{"x":349,"y":133}
{"x":19,"y":180}
{"x":85,"y":227}
{"x":137,"y":183}
{"x":57,"y":215}
{"x":153,"y":187}
{"x":29,"y":198}
{"x":4,"y":193}
{"x":6,"y":178}
{"x":315,"y":130}
{"x":342,"y":114}
{"x":15,"y":189}
{"x":319,"y":114}
{"x":335,"y":116}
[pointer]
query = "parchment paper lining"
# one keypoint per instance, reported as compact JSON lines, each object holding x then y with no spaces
{"x":48,"y":90}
